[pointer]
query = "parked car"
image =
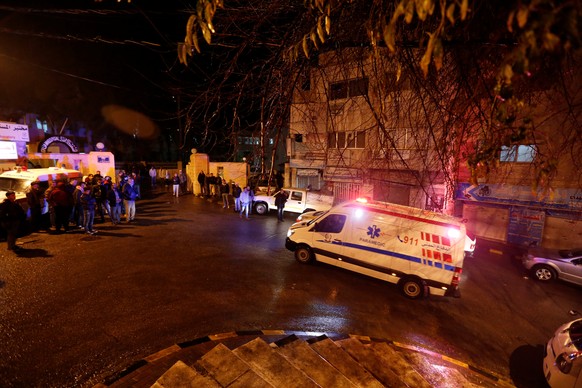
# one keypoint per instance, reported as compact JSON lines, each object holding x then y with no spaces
{"x":550,"y":264}
{"x":298,"y":201}
{"x":563,"y":356}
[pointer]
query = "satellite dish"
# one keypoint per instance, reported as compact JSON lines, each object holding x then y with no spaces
{"x":100,"y":146}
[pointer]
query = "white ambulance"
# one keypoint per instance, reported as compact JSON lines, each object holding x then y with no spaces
{"x":420,"y":250}
{"x":19,"y":180}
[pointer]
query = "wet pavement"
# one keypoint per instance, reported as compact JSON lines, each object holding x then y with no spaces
{"x":78,"y":310}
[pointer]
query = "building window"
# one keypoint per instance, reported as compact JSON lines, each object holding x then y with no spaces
{"x":518,"y":154}
{"x":396,"y":138}
{"x":338,"y":90}
{"x":352,"y":139}
{"x":351,"y":88}
{"x":42,"y":125}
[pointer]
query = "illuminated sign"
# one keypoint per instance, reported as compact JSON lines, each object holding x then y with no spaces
{"x":43,"y":147}
{"x":14,"y":132}
{"x":8,"y":150}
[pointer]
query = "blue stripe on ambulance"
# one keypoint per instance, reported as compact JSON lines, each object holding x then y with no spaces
{"x":378,"y":268}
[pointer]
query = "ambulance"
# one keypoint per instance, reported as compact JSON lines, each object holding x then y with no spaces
{"x":19,"y":180}
{"x":419,"y":250}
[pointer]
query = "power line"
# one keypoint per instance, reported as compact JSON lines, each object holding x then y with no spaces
{"x":64,"y":73}
{"x":97,"y":39}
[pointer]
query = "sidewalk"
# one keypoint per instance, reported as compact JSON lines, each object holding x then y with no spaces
{"x":500,"y":248}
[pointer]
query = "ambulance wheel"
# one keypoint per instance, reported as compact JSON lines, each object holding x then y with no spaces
{"x":413,"y":288}
{"x":303,"y":254}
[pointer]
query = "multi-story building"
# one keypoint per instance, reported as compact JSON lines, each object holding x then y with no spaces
{"x":353,"y":132}
{"x":358,"y":127}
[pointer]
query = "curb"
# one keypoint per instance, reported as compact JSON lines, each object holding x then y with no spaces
{"x":314,"y":335}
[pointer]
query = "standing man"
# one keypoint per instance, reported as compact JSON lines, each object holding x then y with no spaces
{"x":89,"y":204}
{"x":62,"y":202}
{"x":98,"y":193}
{"x":183,"y":182}
{"x":246,"y":202}
{"x":79,"y":213}
{"x":130,"y":194}
{"x":210,"y":182}
{"x":236,"y":192}
{"x":225,"y":192}
{"x":153,"y":176}
{"x":202,"y":183}
{"x":280,"y":200}
{"x":114,"y":198}
{"x":35,"y":201}
{"x":12,"y":215}
{"x":176,"y":185}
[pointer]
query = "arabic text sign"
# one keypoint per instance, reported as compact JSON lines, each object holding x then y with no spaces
{"x":14,"y":132}
{"x":561,"y":198}
{"x":8,"y":150}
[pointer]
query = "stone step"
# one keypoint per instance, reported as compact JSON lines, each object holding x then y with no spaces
{"x":439,"y":375}
{"x":272,"y":366}
{"x":181,"y":375}
{"x":307,"y":360}
{"x":315,"y":362}
{"x":399,"y":365}
{"x":228,"y":369}
{"x":378,"y":367}
{"x":345,"y":364}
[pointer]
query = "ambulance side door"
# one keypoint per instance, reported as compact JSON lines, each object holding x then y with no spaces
{"x":328,"y":237}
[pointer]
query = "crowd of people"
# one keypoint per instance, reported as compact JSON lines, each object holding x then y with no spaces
{"x":215,"y":186}
{"x":77,"y":204}
{"x":73,"y":204}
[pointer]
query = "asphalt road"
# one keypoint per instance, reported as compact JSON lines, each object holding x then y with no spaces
{"x":75,"y":309}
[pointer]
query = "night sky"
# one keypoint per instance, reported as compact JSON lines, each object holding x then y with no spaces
{"x":74,"y":57}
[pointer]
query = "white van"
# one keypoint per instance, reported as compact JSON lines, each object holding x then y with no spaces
{"x":421,"y":251}
{"x":19,"y":180}
{"x":563,"y":356}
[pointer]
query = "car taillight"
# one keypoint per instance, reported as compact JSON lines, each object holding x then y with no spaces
{"x":456,"y":277}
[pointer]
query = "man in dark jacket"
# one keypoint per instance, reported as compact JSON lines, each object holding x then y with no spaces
{"x":12,"y":216}
{"x":35,"y":199}
{"x":280,"y":200}
{"x":62,"y":202}
{"x":202,"y":182}
{"x":236,"y":191}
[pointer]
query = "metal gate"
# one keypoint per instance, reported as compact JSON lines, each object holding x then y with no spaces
{"x":346,"y":191}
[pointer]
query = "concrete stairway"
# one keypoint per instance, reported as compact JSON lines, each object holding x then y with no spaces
{"x":317,"y":362}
